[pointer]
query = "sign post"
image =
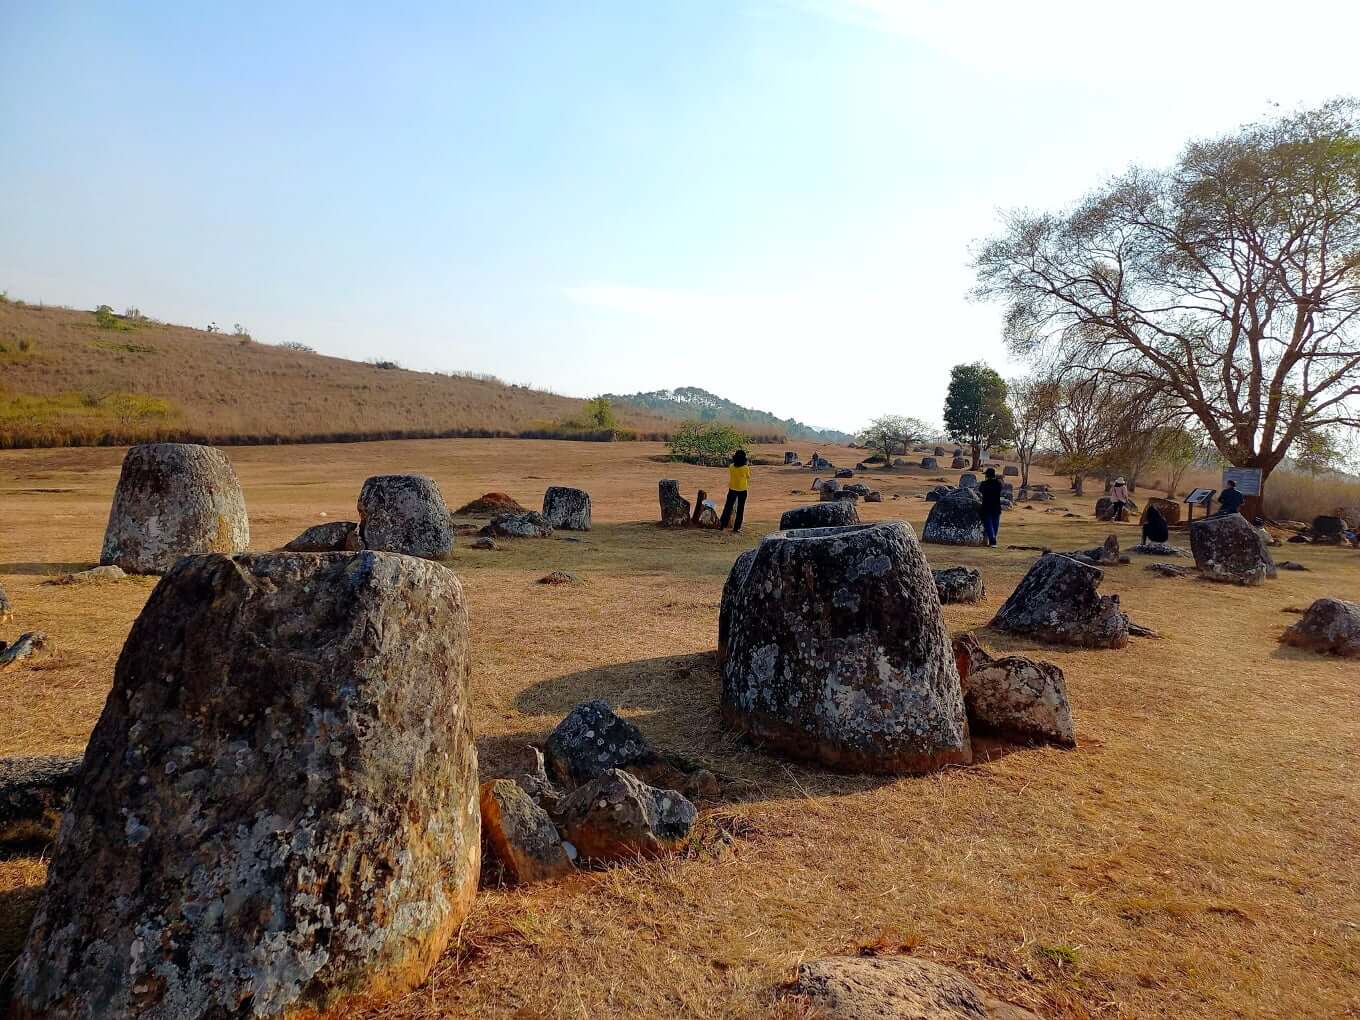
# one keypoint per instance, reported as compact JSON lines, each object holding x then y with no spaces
{"x":1248,"y":484}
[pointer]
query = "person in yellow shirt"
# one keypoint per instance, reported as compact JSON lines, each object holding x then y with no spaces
{"x":738,"y":482}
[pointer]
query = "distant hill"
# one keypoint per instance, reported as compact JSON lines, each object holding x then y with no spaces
{"x":693,"y":402}
{"x":78,"y":378}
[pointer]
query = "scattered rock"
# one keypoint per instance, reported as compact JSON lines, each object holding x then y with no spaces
{"x":968,"y":480}
{"x":1103,"y":555}
{"x":618,"y":817}
{"x":820,"y":515}
{"x":959,"y":584}
{"x":404,"y":514}
{"x":1014,"y":697}
{"x":955,"y":519}
{"x":873,"y":496}
{"x":484,"y":543}
{"x":674,"y":507}
{"x":173,"y":500}
{"x":957,"y":463}
{"x":535,"y":782}
{"x":1108,"y":509}
{"x":333,"y":536}
{"x":520,"y":833}
{"x":939,"y":451}
{"x":1168,"y":569}
{"x":1229,"y":549}
{"x":1010,"y":471}
{"x":95,"y":575}
{"x":281,"y":795}
{"x":33,"y":794}
{"x":593,"y":739}
{"x":559,"y":577}
{"x":1057,"y":601}
{"x":896,"y":988}
{"x":937,"y":493}
{"x":489,"y":505}
{"x":844,"y":473}
{"x":1158,"y":549}
{"x":930,"y":463}
{"x":23,"y":647}
{"x":1329,"y":625}
{"x":529,"y":524}
{"x":1290,"y":565}
{"x":1168,"y":508}
{"x":1328,"y":530}
{"x":567,"y":509}
{"x":836,"y":651}
{"x":6,"y":607}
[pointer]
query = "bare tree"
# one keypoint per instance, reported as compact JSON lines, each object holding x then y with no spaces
{"x":1232,"y":279}
{"x":1031,"y":401}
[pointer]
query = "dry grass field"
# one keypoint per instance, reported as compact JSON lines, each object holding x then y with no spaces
{"x":64,"y":380}
{"x":1195,"y":857}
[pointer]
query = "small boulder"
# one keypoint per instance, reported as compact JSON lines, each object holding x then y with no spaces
{"x":1103,"y":555}
{"x":1014,"y":697}
{"x":333,"y":536}
{"x":674,"y":507}
{"x":968,"y":480}
{"x":955,"y":519}
{"x":939,"y":451}
{"x":1327,"y":530}
{"x":1230,"y":550}
{"x":34,"y":793}
{"x":844,"y":473}
{"x":1010,"y":471}
{"x":959,"y":584}
{"x":559,"y":577}
{"x":937,"y":493}
{"x":1057,"y":601}
{"x":489,"y":504}
{"x":404,"y":514}
{"x":1158,"y":549}
{"x":618,"y":817}
{"x":1108,"y":509}
{"x":930,"y":463}
{"x":819,"y":515}
{"x":873,"y":496}
{"x":1168,"y":508}
{"x":1291,"y":565}
{"x":567,"y":509}
{"x":535,"y":782}
{"x":484,"y":542}
{"x":173,"y":500}
{"x":95,"y":575}
{"x":1329,"y":625}
{"x":528,"y":524}
{"x":957,"y":464}
{"x":520,"y":833}
{"x":1168,"y":569}
{"x":896,"y":988}
{"x":592,"y":739}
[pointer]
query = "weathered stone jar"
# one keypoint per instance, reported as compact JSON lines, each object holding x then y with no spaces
{"x":834,"y":649}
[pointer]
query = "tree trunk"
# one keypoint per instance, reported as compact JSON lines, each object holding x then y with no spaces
{"x":977,"y":456}
{"x":1078,"y":485}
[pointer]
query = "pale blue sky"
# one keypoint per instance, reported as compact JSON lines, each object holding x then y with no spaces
{"x":772,"y":199}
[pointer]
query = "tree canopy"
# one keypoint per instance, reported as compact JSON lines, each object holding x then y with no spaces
{"x":975,"y":410}
{"x":1230,"y":281}
{"x":893,"y":433}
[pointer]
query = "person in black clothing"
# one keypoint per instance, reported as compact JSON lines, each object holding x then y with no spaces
{"x":1154,"y":526}
{"x":1230,"y":501}
{"x":990,"y":490}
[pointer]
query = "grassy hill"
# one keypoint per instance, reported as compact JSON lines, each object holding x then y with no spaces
{"x":693,"y":402}
{"x":72,"y":378}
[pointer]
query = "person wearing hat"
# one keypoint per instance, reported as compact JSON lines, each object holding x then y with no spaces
{"x":990,"y":491}
{"x":1119,"y":491}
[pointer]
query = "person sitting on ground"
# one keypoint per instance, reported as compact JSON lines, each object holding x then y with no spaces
{"x":1259,"y":523}
{"x":738,"y":482}
{"x":1230,"y":500}
{"x":990,"y":491}
{"x":1155,"y":529}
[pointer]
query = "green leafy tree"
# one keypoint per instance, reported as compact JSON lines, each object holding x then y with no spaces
{"x":1318,"y":451}
{"x":709,"y":443}
{"x":1178,"y":450}
{"x":975,"y":410}
{"x":891,"y":434}
{"x":599,"y":414}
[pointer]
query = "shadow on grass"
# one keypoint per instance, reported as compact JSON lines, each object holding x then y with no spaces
{"x":17,"y":907}
{"x":44,"y":569}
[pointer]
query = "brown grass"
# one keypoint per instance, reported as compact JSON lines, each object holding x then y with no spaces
{"x":1193,"y":858}
{"x":1290,"y":495}
{"x":77,"y":384}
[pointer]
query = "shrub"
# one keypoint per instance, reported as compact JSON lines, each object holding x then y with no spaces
{"x":380,"y":363}
{"x":294,"y":345}
{"x":706,"y":442}
{"x":104,"y":317}
{"x":242,"y":332}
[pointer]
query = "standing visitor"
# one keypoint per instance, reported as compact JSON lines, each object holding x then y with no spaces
{"x":1230,"y":501}
{"x":738,"y":482}
{"x":990,"y":490}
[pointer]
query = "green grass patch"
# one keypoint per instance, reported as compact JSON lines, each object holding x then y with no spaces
{"x":75,"y":419}
{"x":17,"y":348}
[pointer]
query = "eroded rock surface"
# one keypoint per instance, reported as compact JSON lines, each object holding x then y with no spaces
{"x":333,"y":536}
{"x":897,"y":988}
{"x":836,"y":650}
{"x":820,"y":515}
{"x":674,"y":507}
{"x":405,"y":514}
{"x":1014,"y":697}
{"x":528,"y":524}
{"x":1057,"y":601}
{"x":1229,"y":549}
{"x":521,"y":835}
{"x":1329,"y":625}
{"x":33,"y":795}
{"x":955,"y":519}
{"x":1158,"y":549}
{"x":281,"y":795}
{"x":616,"y":816}
{"x":173,"y":500}
{"x":959,"y":584}
{"x":567,"y":508}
